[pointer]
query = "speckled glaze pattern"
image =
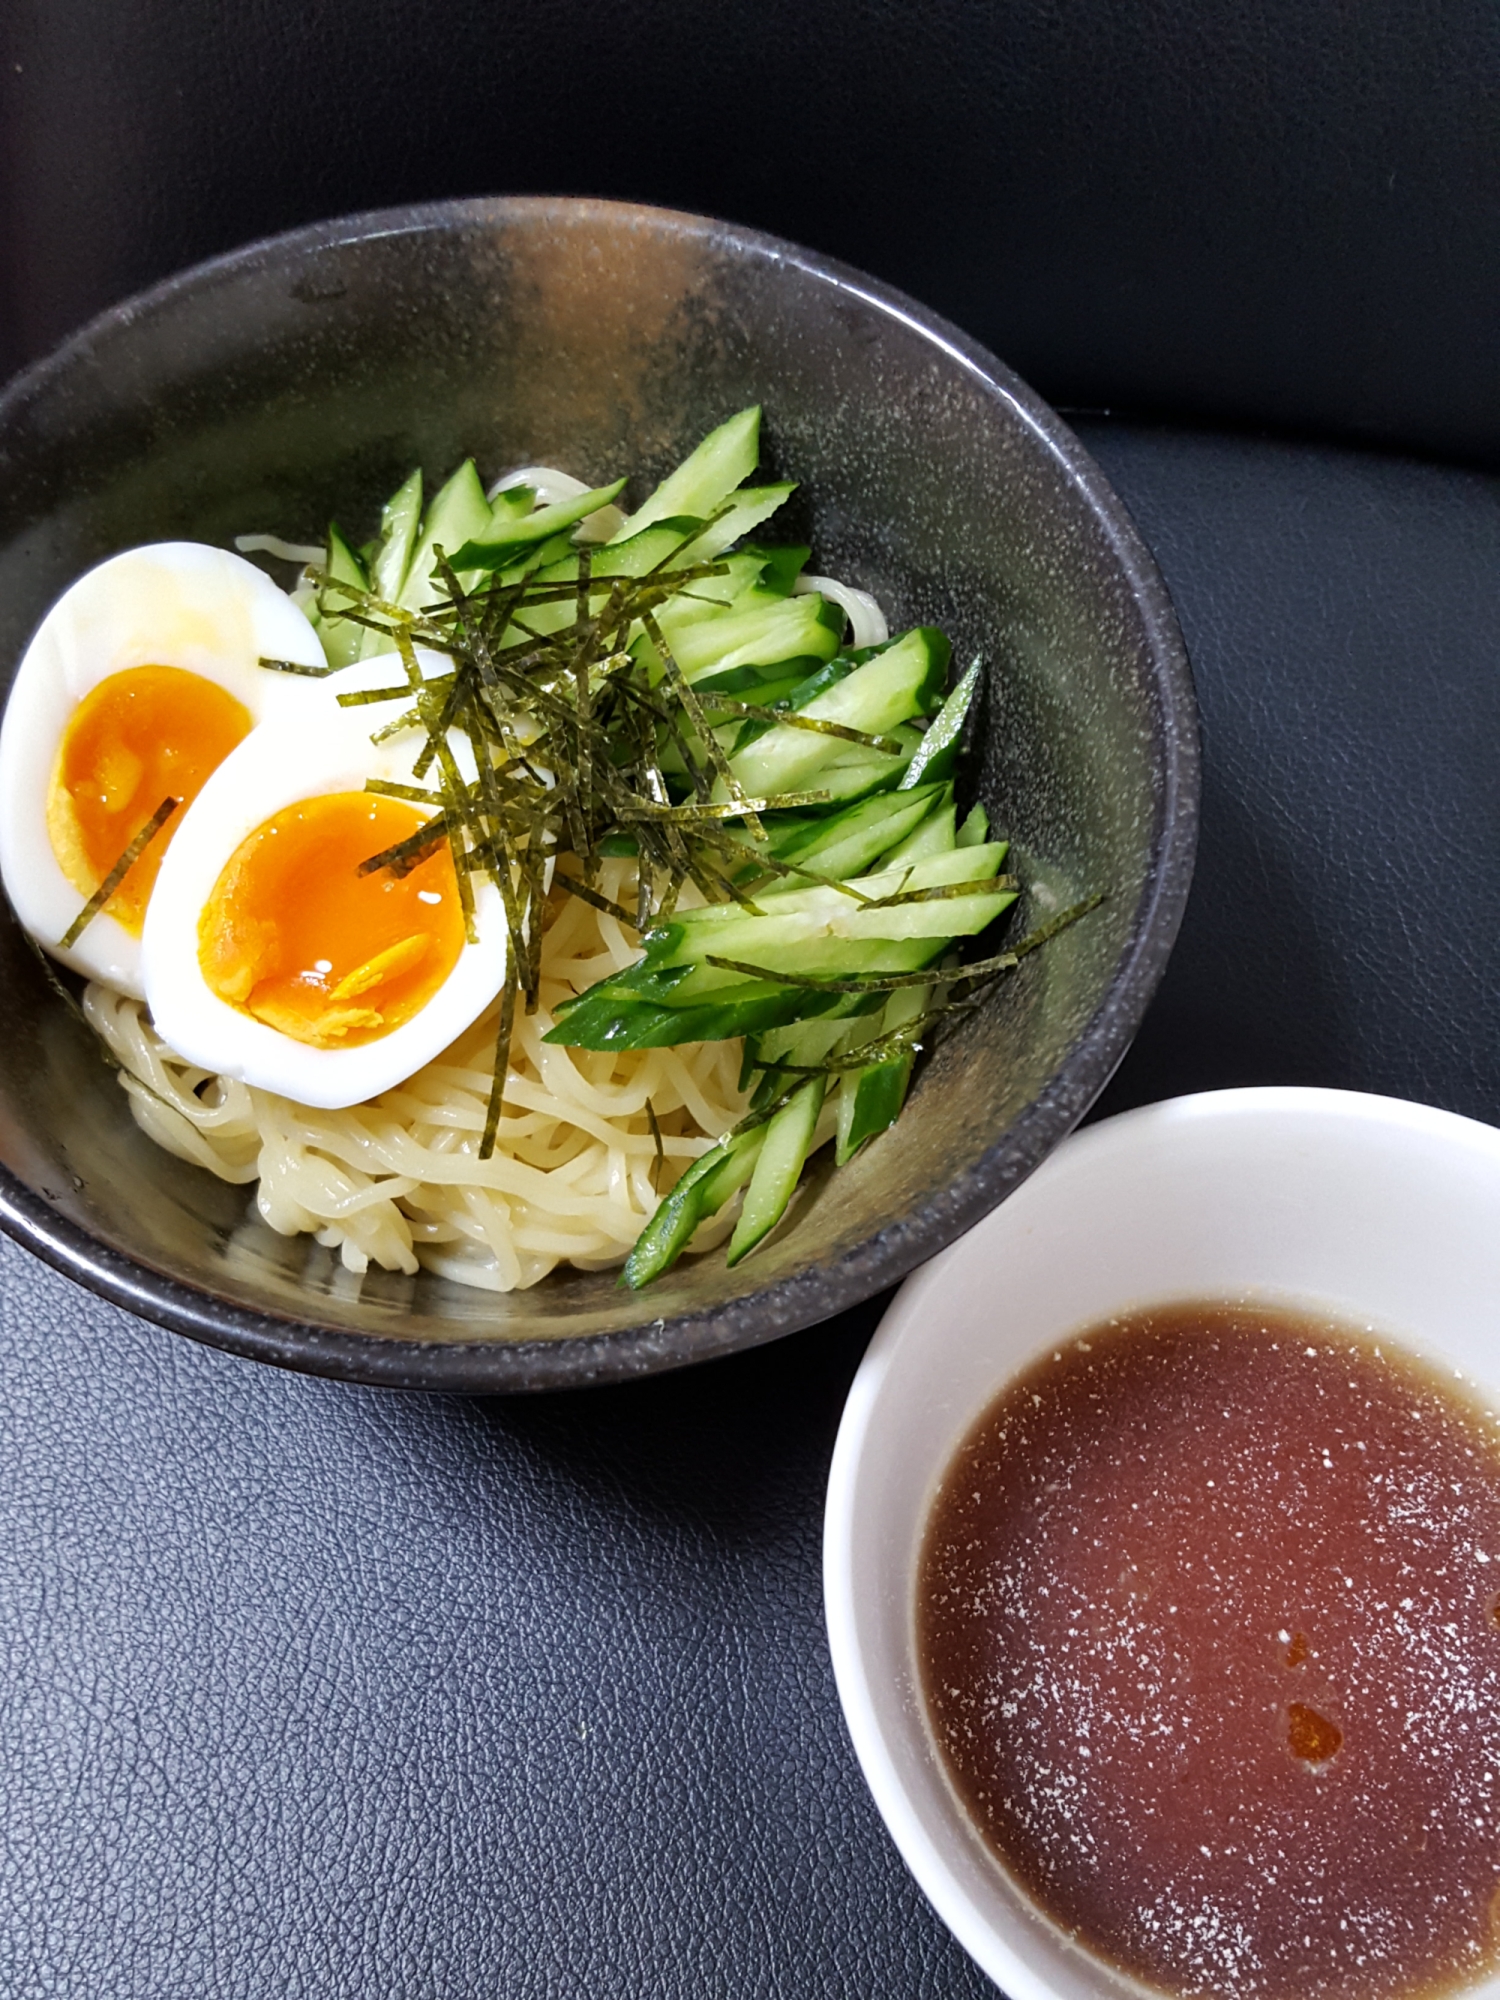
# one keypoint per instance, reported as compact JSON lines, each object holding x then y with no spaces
{"x":309,"y":373}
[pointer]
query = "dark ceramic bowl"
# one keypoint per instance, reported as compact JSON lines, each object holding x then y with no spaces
{"x":309,"y":374}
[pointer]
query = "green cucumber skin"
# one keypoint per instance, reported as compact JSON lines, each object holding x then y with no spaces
{"x":641,"y":1024}
{"x":745,"y":510}
{"x":671,"y":995}
{"x":834,"y":906}
{"x":849,"y":843}
{"x":940,"y":746}
{"x":975,"y":829}
{"x":341,"y":638}
{"x":508,"y":507}
{"x":702,"y":1191}
{"x":497,"y":553}
{"x":719,"y":1005}
{"x":788,"y":1137}
{"x":934,"y":835}
{"x":870,"y":1102}
{"x":880,"y":696}
{"x":780,"y":628}
{"x":706,"y":477}
{"x":400,"y":518}
{"x":459,"y":513}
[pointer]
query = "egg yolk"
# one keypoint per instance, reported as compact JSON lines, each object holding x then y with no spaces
{"x":296,"y":936}
{"x":141,"y":736}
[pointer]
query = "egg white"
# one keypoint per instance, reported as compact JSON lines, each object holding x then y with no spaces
{"x":278,"y":766}
{"x":173,"y":604}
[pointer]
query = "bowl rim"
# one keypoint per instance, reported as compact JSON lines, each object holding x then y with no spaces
{"x":798,"y":1299}
{"x":1112,"y":1142}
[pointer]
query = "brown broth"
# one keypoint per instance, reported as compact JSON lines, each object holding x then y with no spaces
{"x":1209,"y":1622}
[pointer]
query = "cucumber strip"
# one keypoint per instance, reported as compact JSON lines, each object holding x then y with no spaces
{"x":706,"y":477}
{"x":939,"y":751}
{"x":780,"y":628}
{"x":732,"y":1172}
{"x":851,"y":842}
{"x":800,"y":1043}
{"x":743,"y":1008}
{"x":739,"y":586}
{"x":788,"y":1137}
{"x":975,"y":829}
{"x":852,"y":774}
{"x":492,"y":553}
{"x":341,"y":636}
{"x":811,"y":940}
{"x":746,"y":510}
{"x":870,"y":1099}
{"x":899,"y":682}
{"x":934,"y":836}
{"x":701,"y":1192}
{"x":766,"y":685}
{"x":825,"y":674}
{"x":649,"y":550}
{"x":459,"y":514}
{"x":714,"y":1005}
{"x":834,"y":909}
{"x":780,"y":568}
{"x":399,"y":520}
{"x":507,"y":507}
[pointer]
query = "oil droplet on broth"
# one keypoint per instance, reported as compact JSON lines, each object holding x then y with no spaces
{"x":1312,"y":1736}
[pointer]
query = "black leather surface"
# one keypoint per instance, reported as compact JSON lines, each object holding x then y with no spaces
{"x":316,"y":1691}
{"x":1286,"y":212}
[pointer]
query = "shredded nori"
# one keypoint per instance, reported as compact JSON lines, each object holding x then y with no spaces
{"x":117,"y":874}
{"x":580,"y":734}
{"x":575,"y":740}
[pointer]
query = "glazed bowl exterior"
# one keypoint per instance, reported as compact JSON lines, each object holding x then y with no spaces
{"x":306,"y":376}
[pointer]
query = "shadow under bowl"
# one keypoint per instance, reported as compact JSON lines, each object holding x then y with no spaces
{"x":304,"y":377}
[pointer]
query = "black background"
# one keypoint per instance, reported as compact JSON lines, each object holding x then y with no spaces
{"x":307,"y":1690}
{"x":1278,"y":211}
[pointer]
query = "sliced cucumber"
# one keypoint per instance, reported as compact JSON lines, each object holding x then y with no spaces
{"x":517,"y":536}
{"x":800,"y":1043}
{"x":399,"y":520}
{"x":870,"y":1099}
{"x":902,"y":680}
{"x":706,"y":477}
{"x":643,"y":1009}
{"x":779,"y":1167}
{"x":934,"y":836}
{"x":852,"y":841}
{"x":746,"y":510}
{"x":702,"y":1191}
{"x":780,"y":567}
{"x":459,"y":514}
{"x":939,"y":751}
{"x":779,"y":628}
{"x":341,"y":636}
{"x":511,"y":504}
{"x":976,"y":828}
{"x":810,"y":938}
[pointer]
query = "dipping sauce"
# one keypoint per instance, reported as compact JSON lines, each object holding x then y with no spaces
{"x":1209,"y":1621}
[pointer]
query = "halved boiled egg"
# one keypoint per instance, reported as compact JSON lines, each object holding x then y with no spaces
{"x":291,"y":942}
{"x":141,"y":680}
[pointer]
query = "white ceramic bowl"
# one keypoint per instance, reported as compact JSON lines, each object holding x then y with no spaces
{"x":1383,"y":1213}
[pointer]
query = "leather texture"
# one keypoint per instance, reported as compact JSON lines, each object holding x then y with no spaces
{"x":1286,"y":213}
{"x":308,"y":1690}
